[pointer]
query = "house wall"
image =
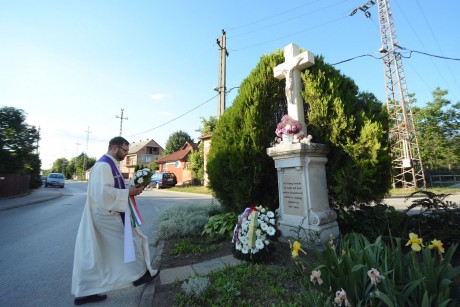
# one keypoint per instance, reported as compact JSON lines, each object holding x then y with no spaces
{"x":150,"y":152}
{"x":181,"y":172}
{"x":206,"y":147}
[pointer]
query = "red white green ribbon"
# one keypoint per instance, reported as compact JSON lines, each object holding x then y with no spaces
{"x":244,"y":215}
{"x":135,"y":214}
{"x":132,"y":220}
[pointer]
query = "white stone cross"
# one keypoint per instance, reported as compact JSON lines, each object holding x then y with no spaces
{"x":290,"y":70}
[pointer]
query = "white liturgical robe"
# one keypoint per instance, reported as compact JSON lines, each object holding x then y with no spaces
{"x":99,"y":249}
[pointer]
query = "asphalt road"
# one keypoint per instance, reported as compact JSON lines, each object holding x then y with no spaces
{"x":37,"y":244}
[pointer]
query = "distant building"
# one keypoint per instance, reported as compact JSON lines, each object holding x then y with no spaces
{"x":206,"y":139}
{"x":142,"y":152}
{"x":177,"y":163}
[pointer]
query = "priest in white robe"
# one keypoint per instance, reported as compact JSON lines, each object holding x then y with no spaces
{"x":110,"y":253}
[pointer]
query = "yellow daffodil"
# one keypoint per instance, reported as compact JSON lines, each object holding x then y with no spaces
{"x":437,"y":244}
{"x":295,"y":248}
{"x":415,"y":242}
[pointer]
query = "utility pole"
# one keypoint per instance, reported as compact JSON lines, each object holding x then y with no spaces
{"x":86,"y":151}
{"x":76,"y":158}
{"x":38,"y":140}
{"x":221,"y":87}
{"x":404,"y":150}
{"x":121,"y":120}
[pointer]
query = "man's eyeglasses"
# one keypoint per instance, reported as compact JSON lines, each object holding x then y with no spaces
{"x":123,"y":148}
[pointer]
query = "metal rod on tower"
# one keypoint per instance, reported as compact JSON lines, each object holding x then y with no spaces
{"x":121,"y":120}
{"x":86,"y":151}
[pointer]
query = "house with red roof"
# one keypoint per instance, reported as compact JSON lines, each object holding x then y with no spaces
{"x":177,"y":163}
{"x":140,"y":153}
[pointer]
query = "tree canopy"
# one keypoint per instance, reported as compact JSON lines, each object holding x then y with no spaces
{"x":438,"y":132}
{"x":196,"y":157}
{"x":353,"y":124}
{"x":176,"y":140}
{"x":18,"y":145}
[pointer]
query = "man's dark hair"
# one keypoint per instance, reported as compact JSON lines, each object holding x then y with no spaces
{"x":117,"y":141}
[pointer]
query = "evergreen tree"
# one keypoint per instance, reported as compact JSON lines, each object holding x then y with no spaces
{"x":175,"y":141}
{"x":352,"y":124}
{"x":355,"y":127}
{"x":239,"y":169}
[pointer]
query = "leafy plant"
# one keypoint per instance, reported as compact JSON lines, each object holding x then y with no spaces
{"x":406,"y":278}
{"x":220,"y":225}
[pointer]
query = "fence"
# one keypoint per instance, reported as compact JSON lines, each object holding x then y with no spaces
{"x":14,"y":185}
{"x":443,"y":180}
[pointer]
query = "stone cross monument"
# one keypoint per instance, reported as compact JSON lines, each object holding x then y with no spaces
{"x":290,"y":70}
{"x":302,"y":185}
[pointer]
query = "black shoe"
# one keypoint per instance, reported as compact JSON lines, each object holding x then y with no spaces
{"x":146,"y":278}
{"x":89,"y":299}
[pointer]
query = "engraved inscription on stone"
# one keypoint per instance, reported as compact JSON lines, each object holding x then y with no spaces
{"x":293,"y":195}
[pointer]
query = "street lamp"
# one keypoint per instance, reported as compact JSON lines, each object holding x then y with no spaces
{"x":218,"y":89}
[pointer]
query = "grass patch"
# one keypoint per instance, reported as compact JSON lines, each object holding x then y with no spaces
{"x":406,"y":192}
{"x":199,"y":189}
{"x":192,"y":246}
{"x":255,"y":285}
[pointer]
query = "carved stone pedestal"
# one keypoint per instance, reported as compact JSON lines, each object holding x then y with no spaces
{"x":304,"y":205}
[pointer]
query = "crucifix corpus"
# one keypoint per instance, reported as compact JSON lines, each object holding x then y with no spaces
{"x":290,"y":70}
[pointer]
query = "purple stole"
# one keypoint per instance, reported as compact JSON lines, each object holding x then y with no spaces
{"x":119,"y":182}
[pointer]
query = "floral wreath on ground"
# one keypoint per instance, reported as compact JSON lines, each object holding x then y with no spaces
{"x":254,"y":234}
{"x":290,"y":126}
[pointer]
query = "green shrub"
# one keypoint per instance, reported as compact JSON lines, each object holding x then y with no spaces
{"x":373,"y":221}
{"x":183,"y":220}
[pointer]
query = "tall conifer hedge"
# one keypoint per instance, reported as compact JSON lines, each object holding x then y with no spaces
{"x":353,"y":124}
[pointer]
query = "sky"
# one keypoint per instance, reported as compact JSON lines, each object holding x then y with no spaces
{"x":72,"y":66}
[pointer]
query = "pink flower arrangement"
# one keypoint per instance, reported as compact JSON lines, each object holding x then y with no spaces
{"x":288,"y":125}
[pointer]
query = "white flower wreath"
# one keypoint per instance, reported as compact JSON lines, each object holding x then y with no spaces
{"x":255,"y":230}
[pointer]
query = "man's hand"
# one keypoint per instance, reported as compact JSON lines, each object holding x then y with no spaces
{"x":136,"y":190}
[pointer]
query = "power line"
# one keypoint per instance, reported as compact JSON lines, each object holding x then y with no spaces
{"x":290,"y":35}
{"x":402,"y":48}
{"x":436,"y":41}
{"x":287,"y":20}
{"x":270,"y":17}
{"x":356,"y":57}
{"x":429,"y":54}
{"x":183,"y":114}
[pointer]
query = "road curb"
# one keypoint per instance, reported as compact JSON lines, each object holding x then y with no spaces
{"x":149,"y":290}
{"x":31,"y":202}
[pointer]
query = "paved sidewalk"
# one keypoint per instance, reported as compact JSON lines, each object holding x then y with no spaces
{"x":35,"y":196}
